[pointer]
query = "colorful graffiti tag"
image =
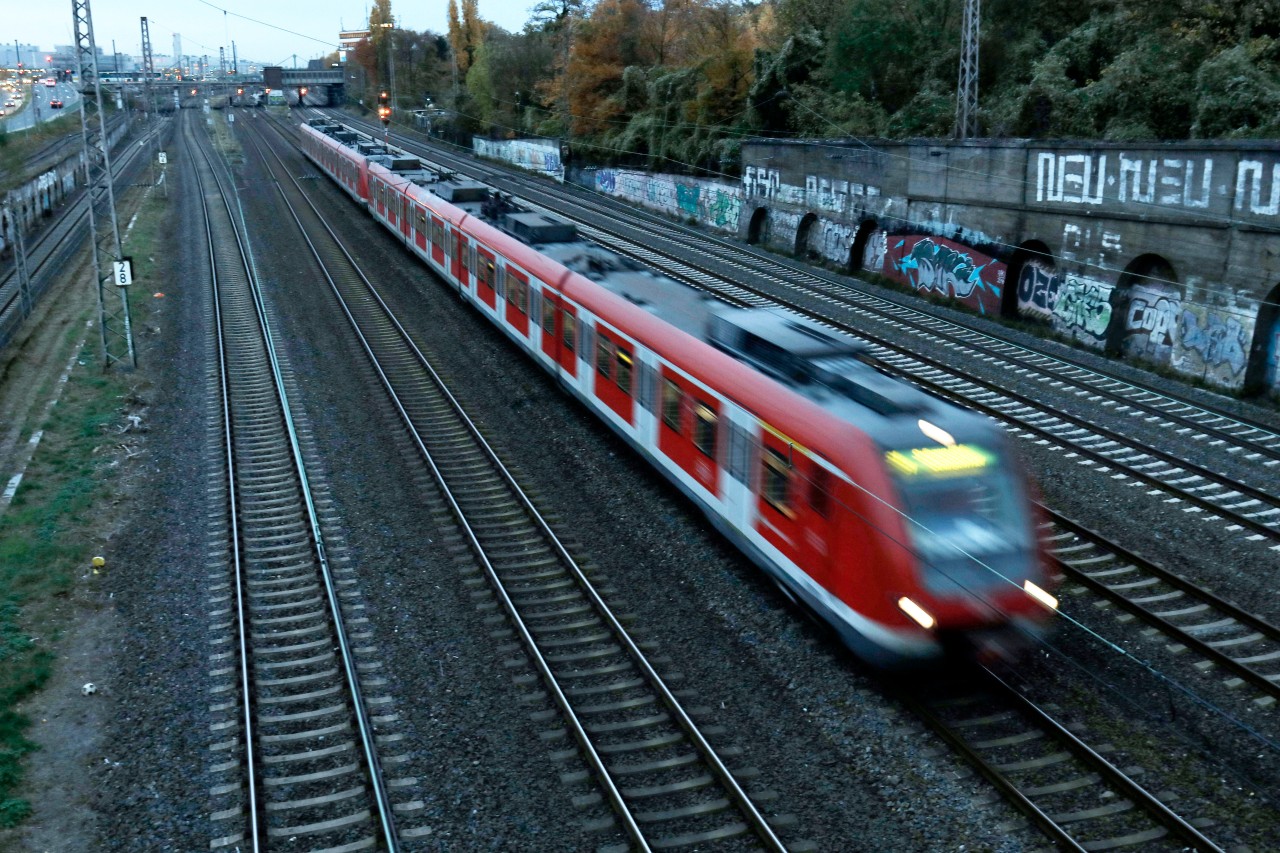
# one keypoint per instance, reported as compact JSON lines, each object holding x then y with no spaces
{"x":1083,"y":310}
{"x":1038,"y":287}
{"x":1151,"y":321}
{"x":950,"y":269}
{"x":1221,"y":344}
{"x":712,"y":204}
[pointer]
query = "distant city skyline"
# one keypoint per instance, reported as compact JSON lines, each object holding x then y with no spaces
{"x":273,"y":37}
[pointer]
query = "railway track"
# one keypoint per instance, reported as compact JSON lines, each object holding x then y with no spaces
{"x":1239,"y":642}
{"x":1121,"y":814}
{"x":659,"y":777}
{"x":53,"y":248}
{"x":1075,"y":795}
{"x":1244,"y":451}
{"x":298,"y":757}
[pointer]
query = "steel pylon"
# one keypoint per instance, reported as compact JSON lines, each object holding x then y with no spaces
{"x":967,"y":88}
{"x":104,"y":229}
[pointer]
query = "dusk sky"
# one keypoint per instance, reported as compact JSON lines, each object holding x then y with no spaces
{"x":309,"y":30}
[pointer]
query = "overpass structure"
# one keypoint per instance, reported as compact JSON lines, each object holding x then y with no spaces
{"x":330,"y":80}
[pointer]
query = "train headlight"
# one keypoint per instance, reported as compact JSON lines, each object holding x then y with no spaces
{"x":921,"y":616}
{"x":1040,"y":595}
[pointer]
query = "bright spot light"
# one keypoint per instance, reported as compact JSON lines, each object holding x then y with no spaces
{"x":937,"y":433}
{"x":1040,"y":595}
{"x":916,"y":612}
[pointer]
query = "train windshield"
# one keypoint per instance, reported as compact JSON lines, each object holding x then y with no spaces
{"x":967,"y":519}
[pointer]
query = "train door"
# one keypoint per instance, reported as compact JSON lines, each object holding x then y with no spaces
{"x":517,"y":290}
{"x":485,"y":269}
{"x":550,"y":343}
{"x":459,"y":268}
{"x":437,"y":240}
{"x":776,"y":495}
{"x":420,"y":229}
{"x":614,"y":360}
{"x":815,"y":505}
{"x":405,"y":222}
{"x":392,"y":197}
{"x":689,"y":428}
{"x":570,"y":336}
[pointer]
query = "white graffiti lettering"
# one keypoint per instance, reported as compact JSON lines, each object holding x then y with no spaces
{"x":1252,"y":173}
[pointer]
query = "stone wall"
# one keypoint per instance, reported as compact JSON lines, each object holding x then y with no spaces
{"x":1165,"y":253}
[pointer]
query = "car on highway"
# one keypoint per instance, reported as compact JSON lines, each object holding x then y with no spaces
{"x":9,"y":103}
{"x":55,"y":103}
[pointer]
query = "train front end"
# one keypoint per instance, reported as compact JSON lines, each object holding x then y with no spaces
{"x":978,"y":583}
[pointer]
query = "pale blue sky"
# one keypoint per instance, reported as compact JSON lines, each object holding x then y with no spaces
{"x":314,"y":24}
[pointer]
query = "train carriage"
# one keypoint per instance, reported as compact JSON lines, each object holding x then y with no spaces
{"x":903,"y":521}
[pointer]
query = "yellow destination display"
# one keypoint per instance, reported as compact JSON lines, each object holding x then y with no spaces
{"x":936,"y":461}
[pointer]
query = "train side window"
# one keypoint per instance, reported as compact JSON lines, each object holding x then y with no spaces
{"x":775,"y":485}
{"x":603,"y":357}
{"x":535,"y":306}
{"x":820,"y":491}
{"x":704,"y":430}
{"x":739,"y":452}
{"x":671,"y":395}
{"x":645,"y":390}
{"x":420,"y":221}
{"x":437,"y":233}
{"x":623,"y":377}
{"x":570,"y":332}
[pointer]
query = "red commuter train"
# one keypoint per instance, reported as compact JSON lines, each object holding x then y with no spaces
{"x":903,"y":521}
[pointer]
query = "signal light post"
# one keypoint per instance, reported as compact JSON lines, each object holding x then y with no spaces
{"x":384,"y":113}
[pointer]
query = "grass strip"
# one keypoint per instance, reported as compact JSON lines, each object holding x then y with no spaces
{"x":68,"y":492}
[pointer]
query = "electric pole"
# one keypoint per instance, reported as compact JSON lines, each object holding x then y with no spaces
{"x":111,"y":268}
{"x":967,"y":89}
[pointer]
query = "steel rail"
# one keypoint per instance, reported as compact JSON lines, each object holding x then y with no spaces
{"x":388,"y":834}
{"x":233,"y":516}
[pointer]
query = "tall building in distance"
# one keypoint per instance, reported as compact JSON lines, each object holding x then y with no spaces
{"x":177,"y":49}
{"x":28,"y":54}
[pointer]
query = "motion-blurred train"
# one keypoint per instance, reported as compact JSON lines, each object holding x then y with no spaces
{"x":903,"y":521}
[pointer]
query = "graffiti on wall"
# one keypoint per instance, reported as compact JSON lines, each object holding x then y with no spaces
{"x":950,"y":269}
{"x":1253,"y":188}
{"x":1220,"y":344}
{"x":1082,"y":309}
{"x":876,"y":250}
{"x":1151,"y":322}
{"x":713,"y":204}
{"x":1037,"y":290}
{"x":533,"y":155}
{"x":1171,"y":182}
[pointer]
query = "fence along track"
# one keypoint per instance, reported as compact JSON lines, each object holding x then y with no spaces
{"x":310,"y":766}
{"x":665,"y":782}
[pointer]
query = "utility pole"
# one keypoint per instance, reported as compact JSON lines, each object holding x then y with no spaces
{"x":112,"y":270}
{"x":967,"y":88}
{"x":235,"y":63}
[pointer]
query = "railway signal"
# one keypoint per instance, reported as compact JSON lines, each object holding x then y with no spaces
{"x":384,"y":108}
